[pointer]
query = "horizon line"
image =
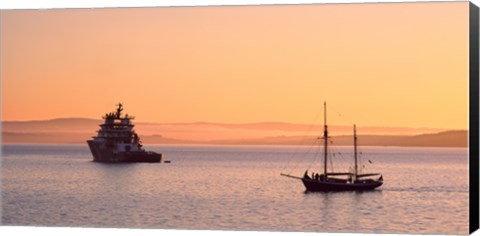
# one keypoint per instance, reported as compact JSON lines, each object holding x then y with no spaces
{"x":227,"y":123}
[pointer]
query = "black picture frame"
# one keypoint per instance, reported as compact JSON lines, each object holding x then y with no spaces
{"x":474,"y":121}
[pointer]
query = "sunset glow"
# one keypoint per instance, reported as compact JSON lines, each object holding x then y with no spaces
{"x":385,"y":65}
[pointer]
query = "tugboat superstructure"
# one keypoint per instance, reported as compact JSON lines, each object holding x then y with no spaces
{"x":117,"y":141}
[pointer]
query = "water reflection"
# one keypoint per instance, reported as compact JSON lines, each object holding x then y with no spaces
{"x":230,"y":188}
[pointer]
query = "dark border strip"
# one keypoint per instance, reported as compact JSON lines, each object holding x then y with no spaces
{"x":474,"y":122}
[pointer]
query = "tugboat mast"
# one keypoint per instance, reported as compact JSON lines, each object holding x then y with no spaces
{"x":325,"y":137}
{"x":119,"y":110}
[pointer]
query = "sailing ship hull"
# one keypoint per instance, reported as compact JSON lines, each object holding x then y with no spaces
{"x":108,"y":156}
{"x":324,"y":186}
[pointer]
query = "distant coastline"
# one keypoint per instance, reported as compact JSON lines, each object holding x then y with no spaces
{"x":77,"y":130}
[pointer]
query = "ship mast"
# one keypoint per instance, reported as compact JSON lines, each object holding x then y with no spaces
{"x":325,"y":137}
{"x":355,"y":173}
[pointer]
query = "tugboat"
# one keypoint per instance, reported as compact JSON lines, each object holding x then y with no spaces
{"x":116,"y":141}
{"x":330,"y":181}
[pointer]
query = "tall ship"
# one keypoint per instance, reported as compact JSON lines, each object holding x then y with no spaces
{"x":339,"y":181}
{"x":117,"y":141}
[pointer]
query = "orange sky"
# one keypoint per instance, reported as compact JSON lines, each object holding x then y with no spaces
{"x":392,"y":64}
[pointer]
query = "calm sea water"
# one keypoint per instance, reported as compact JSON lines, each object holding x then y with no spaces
{"x":236,"y":188}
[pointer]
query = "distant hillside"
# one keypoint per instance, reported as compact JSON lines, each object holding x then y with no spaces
{"x":71,"y":125}
{"x":443,"y":139}
{"x":78,"y":130}
{"x":86,"y":124}
{"x":73,"y":138}
{"x":44,"y":138}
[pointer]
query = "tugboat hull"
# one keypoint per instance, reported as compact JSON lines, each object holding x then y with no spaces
{"x":108,"y":156}
{"x":325,"y":186}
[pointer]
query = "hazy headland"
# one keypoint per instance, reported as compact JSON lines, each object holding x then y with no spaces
{"x":78,"y":130}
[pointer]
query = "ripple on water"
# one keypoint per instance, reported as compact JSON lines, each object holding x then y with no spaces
{"x":232,"y":188}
